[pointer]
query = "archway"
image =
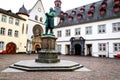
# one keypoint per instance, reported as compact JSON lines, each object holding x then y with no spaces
{"x":77,"y":48}
{"x":11,"y":48}
{"x":37,"y":48}
{"x":37,"y":30}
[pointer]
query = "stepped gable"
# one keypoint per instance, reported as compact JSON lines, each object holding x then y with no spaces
{"x":101,"y":10}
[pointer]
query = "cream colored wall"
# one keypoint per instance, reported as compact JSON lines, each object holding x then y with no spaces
{"x":21,"y":40}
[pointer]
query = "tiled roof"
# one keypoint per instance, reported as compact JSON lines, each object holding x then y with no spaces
{"x":101,"y":10}
{"x":10,"y":13}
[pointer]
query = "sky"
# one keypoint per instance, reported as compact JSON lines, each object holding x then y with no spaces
{"x":14,"y":5}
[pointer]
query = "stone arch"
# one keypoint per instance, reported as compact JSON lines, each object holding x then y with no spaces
{"x":37,"y":30}
{"x":11,"y":48}
{"x":77,"y":46}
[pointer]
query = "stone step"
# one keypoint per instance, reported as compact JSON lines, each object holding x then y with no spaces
{"x":46,"y":68}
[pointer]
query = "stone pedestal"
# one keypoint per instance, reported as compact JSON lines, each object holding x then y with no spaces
{"x":48,"y":53}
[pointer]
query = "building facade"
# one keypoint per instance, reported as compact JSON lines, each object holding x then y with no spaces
{"x":13,"y":31}
{"x":21,"y":32}
{"x":91,"y":29}
{"x":35,"y":26}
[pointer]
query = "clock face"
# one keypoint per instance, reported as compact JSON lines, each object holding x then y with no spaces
{"x":39,"y":9}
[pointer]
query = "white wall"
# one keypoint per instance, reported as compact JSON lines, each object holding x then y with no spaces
{"x":93,"y":38}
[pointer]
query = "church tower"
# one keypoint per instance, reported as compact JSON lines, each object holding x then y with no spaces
{"x":57,"y":11}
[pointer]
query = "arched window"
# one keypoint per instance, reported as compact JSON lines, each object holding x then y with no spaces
{"x":41,"y":19}
{"x":2,"y":31}
{"x":61,"y":20}
{"x":9,"y":32}
{"x":79,"y":16}
{"x":90,"y":14}
{"x":16,"y":33}
{"x":116,"y":1}
{"x":36,"y":17}
{"x":82,"y":10}
{"x":73,"y":12}
{"x":65,"y":14}
{"x":102,"y":11}
{"x":70,"y":18}
{"x":92,"y":8}
{"x":61,"y":13}
{"x":116,"y":8}
{"x":104,"y":5}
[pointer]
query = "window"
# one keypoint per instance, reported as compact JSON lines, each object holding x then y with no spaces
{"x":77,"y":31}
{"x":102,"y":46}
{"x":59,"y":48}
{"x":9,"y":32}
{"x":16,"y":34}
{"x":101,"y":28}
{"x":1,"y":45}
{"x":59,"y":33}
{"x":11,"y":20}
{"x":23,"y":29}
{"x":17,"y":22}
{"x":89,"y":30}
{"x":26,"y":28}
{"x":36,"y":17}
{"x":41,"y":19}
{"x":116,"y":46}
{"x":2,"y":31}
{"x":68,"y":32}
{"x":116,"y":27}
{"x":4,"y":18}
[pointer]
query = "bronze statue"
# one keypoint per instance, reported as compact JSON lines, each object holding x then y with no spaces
{"x":49,"y":23}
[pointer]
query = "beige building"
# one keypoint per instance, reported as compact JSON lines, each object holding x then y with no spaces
{"x":13,"y":30}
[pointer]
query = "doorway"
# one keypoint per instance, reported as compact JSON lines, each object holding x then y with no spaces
{"x":67,"y":49}
{"x":77,"y":49}
{"x":11,"y":48}
{"x":89,"y":49}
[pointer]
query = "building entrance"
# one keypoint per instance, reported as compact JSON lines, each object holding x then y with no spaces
{"x":77,"y":49}
{"x":11,"y":48}
{"x":67,"y":49}
{"x":89,"y":49}
{"x":77,"y":46}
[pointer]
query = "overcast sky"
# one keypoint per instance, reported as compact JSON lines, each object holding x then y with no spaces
{"x":14,"y":5}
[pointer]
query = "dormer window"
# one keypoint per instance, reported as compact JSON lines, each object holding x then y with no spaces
{"x":104,"y":5}
{"x":61,"y":20}
{"x":116,"y":1}
{"x":116,"y":8}
{"x":65,"y":14}
{"x":73,"y":12}
{"x":90,"y":14}
{"x":102,"y":11}
{"x":79,"y":16}
{"x":70,"y":18}
{"x":92,"y":8}
{"x":61,"y":13}
{"x":82,"y":10}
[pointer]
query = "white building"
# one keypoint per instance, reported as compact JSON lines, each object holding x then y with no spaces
{"x":35,"y":26}
{"x":92,"y":29}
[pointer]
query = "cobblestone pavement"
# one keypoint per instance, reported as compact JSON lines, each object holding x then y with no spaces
{"x":101,"y":69}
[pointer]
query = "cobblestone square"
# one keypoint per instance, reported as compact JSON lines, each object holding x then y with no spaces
{"x":101,"y":69}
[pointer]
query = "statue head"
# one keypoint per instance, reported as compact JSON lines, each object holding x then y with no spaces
{"x":51,"y":9}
